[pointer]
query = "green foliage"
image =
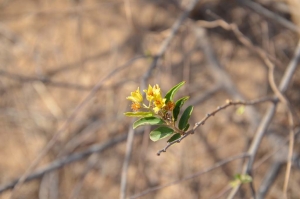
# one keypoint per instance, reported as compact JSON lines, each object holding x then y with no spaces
{"x":186,"y":127}
{"x":183,"y":122}
{"x":240,"y":179}
{"x":178,"y":106}
{"x":160,"y":133}
{"x":138,"y":114}
{"x":174,"y":137}
{"x":148,"y":121}
{"x":169,"y":96}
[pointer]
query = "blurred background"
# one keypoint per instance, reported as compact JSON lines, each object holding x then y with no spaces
{"x":53,"y":53}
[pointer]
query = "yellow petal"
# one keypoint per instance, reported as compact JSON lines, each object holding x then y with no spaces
{"x":136,"y":96}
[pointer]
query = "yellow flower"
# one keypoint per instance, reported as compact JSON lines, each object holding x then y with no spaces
{"x":153,"y":92}
{"x":149,"y":93}
{"x":136,"y":96}
{"x":159,"y":103}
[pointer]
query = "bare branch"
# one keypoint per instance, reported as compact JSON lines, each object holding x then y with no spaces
{"x":219,"y":108}
{"x":268,"y":117}
{"x":269,"y":180}
{"x":267,"y":13}
{"x":73,"y":115}
{"x":220,"y":75}
{"x":217,"y":165}
{"x":57,"y":164}
{"x":163,"y":47}
{"x":22,"y":78}
{"x":129,"y":144}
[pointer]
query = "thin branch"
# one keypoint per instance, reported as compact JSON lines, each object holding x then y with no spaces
{"x":22,"y":78}
{"x":219,"y":108}
{"x":220,"y":75}
{"x":239,"y":35}
{"x":217,"y":165}
{"x":269,"y":179}
{"x":268,"y":117}
{"x":73,"y":115}
{"x":163,"y":47}
{"x":59,"y":163}
{"x":263,"y":55}
{"x":267,"y":13}
{"x":91,"y":163}
{"x":129,"y":144}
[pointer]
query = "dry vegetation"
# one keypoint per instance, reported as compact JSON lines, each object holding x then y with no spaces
{"x":53,"y":53}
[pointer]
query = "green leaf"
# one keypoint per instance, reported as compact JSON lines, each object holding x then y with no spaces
{"x":160,"y":133}
{"x":185,"y":117}
{"x":170,"y":94}
{"x":148,"y":121}
{"x":174,"y":137}
{"x":187,"y":127}
{"x":240,"y":179}
{"x":178,"y":106}
{"x":138,"y":114}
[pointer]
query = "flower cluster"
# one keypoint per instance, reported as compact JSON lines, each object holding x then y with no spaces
{"x":160,"y":111}
{"x":156,"y":102}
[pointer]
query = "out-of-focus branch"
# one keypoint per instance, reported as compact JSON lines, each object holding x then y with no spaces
{"x":269,"y":179}
{"x":57,"y":164}
{"x":163,"y":47}
{"x":73,"y":115}
{"x":217,"y":165}
{"x":267,"y":13}
{"x":220,"y":75}
{"x":125,"y":166}
{"x":22,"y":78}
{"x":263,"y":55}
{"x":268,"y":117}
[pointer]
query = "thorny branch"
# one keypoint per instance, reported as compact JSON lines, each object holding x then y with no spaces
{"x":219,"y":108}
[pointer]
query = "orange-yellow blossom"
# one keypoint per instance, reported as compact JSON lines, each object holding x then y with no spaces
{"x":152,"y":92}
{"x":159,"y":103}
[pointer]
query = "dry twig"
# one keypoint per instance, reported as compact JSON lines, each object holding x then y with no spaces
{"x":208,"y":115}
{"x":267,"y":13}
{"x":268,"y":117}
{"x":59,"y":163}
{"x":73,"y":115}
{"x":264,"y":56}
{"x":217,"y":165}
